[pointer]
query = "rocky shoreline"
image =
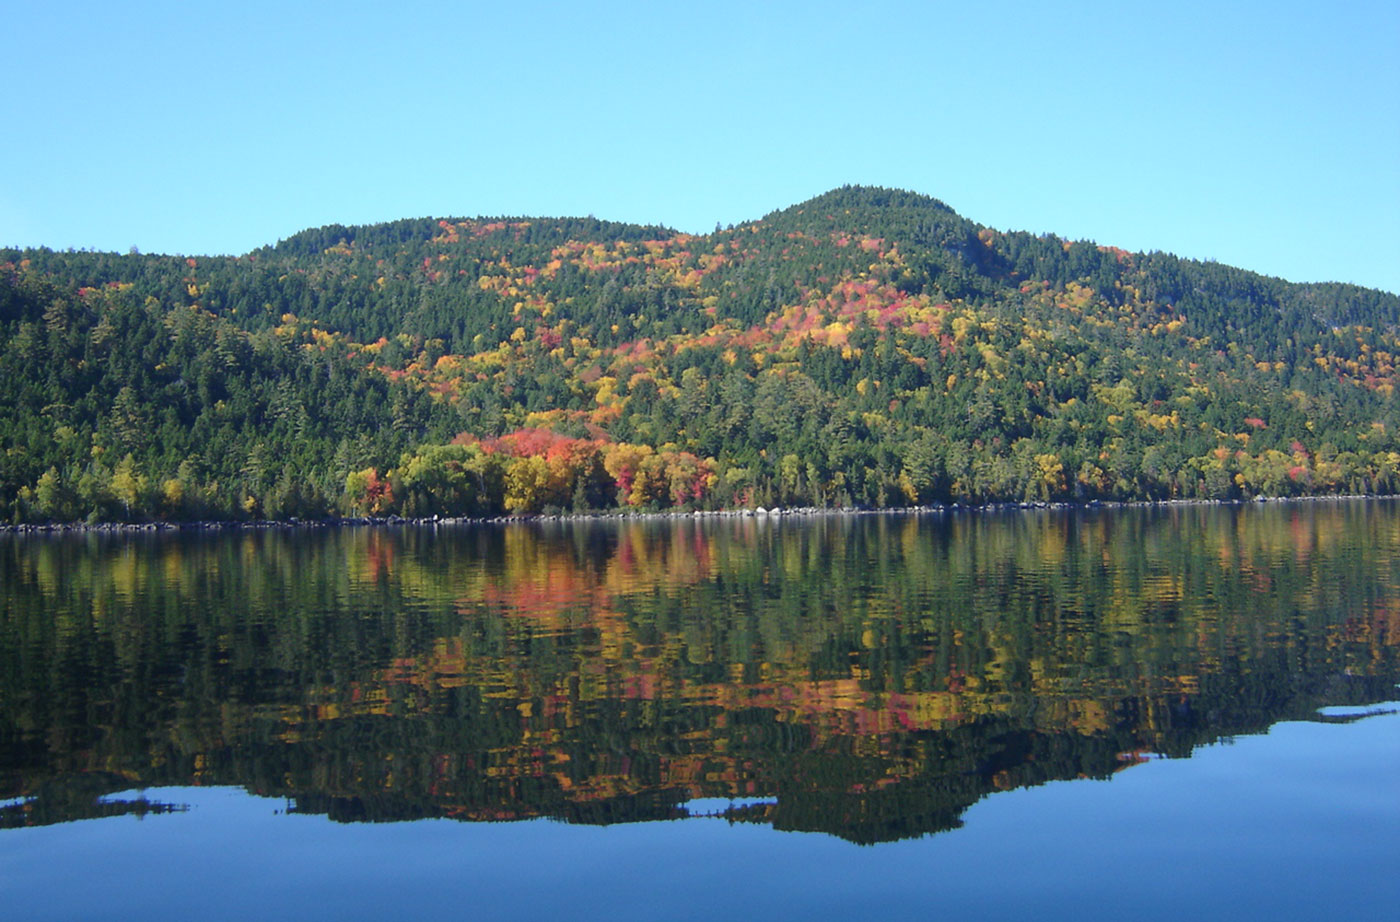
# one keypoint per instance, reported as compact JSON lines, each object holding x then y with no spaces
{"x":759,"y":513}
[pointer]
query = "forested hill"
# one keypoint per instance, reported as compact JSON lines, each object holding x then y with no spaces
{"x":867,"y":347}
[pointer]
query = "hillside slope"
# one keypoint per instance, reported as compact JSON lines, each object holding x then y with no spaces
{"x":868,"y":346}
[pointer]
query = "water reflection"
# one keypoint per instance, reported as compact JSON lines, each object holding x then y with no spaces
{"x":868,"y":677}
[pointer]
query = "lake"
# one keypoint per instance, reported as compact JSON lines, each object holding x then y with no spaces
{"x":1159,"y":712}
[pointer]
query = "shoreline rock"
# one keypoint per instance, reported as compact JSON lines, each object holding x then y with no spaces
{"x":759,"y":513}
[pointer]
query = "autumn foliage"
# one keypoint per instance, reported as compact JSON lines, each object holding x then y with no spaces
{"x":866,"y":348}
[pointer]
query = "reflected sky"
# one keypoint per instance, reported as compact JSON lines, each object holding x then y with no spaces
{"x":1314,"y":836}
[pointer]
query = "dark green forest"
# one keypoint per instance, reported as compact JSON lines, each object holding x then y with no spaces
{"x":869,"y":347}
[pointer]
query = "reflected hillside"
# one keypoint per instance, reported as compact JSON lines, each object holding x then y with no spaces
{"x":869,"y":677}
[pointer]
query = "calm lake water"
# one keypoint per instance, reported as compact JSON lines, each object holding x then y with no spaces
{"x":1154,"y":713}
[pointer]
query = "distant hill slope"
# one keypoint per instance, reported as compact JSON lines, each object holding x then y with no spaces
{"x":869,"y":346}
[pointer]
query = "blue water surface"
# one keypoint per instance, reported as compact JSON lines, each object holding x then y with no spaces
{"x":1301,"y":823}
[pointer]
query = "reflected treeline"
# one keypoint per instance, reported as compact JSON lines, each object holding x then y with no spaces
{"x":869,"y":677}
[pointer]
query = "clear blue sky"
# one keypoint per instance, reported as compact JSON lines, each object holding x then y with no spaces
{"x":1265,"y":135}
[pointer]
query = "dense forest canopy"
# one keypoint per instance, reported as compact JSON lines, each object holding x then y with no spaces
{"x":868,"y":347}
